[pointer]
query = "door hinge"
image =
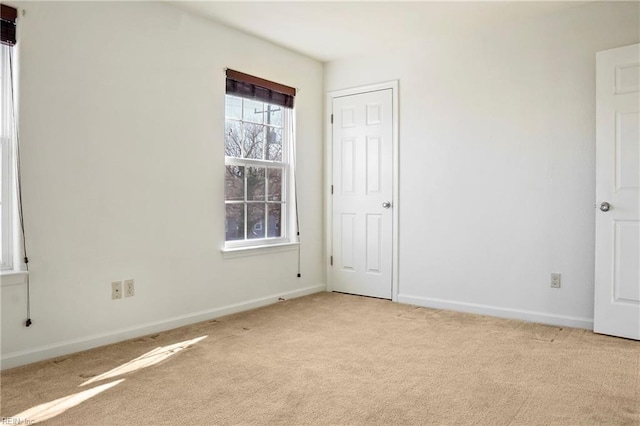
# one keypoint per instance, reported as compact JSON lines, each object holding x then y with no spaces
{"x":331,"y":260}
{"x":331,"y":118}
{"x":331,"y":189}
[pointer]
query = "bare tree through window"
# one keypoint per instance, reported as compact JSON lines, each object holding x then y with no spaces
{"x":256,"y":169}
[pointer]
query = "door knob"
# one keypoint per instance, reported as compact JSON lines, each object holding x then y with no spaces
{"x":386,"y":204}
{"x":605,"y":207}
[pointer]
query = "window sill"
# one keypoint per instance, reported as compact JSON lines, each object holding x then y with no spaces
{"x":233,"y":252}
{"x":11,"y":277}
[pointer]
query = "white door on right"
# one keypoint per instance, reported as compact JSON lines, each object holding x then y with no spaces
{"x":617,"y":272}
{"x":363,"y":190}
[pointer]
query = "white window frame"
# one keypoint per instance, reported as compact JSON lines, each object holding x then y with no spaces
{"x":287,"y":203}
{"x":6,"y":161}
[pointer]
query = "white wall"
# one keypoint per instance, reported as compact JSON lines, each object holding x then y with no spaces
{"x":497,"y":161}
{"x":121,"y":120}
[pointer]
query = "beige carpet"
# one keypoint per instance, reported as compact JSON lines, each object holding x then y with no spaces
{"x":339,"y":359}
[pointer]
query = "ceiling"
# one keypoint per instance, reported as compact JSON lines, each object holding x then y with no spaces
{"x":331,"y":30}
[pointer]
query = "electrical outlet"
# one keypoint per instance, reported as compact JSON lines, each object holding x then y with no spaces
{"x":116,"y":290}
{"x":555,"y":280}
{"x":129,"y":288}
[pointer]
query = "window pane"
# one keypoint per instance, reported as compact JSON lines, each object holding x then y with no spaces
{"x":255,"y":180}
{"x":274,"y":144}
{"x":233,"y":107}
{"x":255,"y":228}
{"x":234,"y":222}
{"x":253,"y":141}
{"x":253,"y":111}
{"x":275,"y":184}
{"x":255,"y":183}
{"x":273,"y":220}
{"x":273,"y":115}
{"x":234,"y":183}
{"x":233,"y":139}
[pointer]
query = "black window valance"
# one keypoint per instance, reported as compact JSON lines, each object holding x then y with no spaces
{"x":249,"y":86}
{"x":8,"y":17}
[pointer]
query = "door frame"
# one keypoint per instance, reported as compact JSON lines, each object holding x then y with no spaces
{"x":328,"y":160}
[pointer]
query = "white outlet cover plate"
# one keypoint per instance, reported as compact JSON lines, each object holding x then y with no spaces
{"x":116,"y":290}
{"x":129,"y":288}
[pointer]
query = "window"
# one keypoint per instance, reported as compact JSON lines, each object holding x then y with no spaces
{"x":5,"y":160}
{"x":7,"y":136}
{"x":258,"y":160}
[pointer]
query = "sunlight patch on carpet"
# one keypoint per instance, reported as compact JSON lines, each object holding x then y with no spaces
{"x":45,"y":411}
{"x":147,"y":360}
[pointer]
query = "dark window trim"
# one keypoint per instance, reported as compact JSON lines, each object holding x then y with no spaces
{"x":8,"y":17}
{"x":252,"y":87}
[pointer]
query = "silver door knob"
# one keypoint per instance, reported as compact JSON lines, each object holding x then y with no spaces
{"x":605,"y":207}
{"x":386,"y":204}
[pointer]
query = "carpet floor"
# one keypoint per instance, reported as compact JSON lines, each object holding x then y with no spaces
{"x":332,"y":358}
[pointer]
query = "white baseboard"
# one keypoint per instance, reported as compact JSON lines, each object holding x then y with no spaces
{"x":473,"y":308}
{"x":41,"y":353}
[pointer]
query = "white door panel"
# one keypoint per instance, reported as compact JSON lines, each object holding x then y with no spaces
{"x":362,"y":179}
{"x":617,"y":275}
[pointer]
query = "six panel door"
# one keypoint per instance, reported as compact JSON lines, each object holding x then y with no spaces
{"x":617,"y":272}
{"x":362,"y":194}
